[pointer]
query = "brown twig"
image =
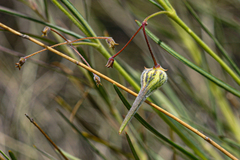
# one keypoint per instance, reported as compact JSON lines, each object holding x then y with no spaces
{"x":39,"y":128}
{"x":124,"y":88}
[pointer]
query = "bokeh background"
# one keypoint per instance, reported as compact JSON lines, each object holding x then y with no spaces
{"x":48,"y":82}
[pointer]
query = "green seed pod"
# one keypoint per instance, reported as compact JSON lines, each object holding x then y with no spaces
{"x":151,"y":80}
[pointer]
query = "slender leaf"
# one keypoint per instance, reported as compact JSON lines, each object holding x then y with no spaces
{"x":191,"y":65}
{"x":15,"y":13}
{"x":79,"y":132}
{"x":150,"y":128}
{"x":132,"y":147}
{"x":76,"y":13}
{"x":220,"y":47}
{"x":47,"y":154}
{"x":11,"y":154}
{"x":4,"y":155}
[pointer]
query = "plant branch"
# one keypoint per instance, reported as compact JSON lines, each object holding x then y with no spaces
{"x":40,"y":129}
{"x":122,"y":87}
{"x":173,"y":15}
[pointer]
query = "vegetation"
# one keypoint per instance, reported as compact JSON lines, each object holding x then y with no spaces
{"x":64,"y":94}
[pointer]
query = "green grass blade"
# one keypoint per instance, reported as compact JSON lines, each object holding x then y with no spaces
{"x":11,"y":154}
{"x":79,"y":132}
{"x":85,"y":24}
{"x":70,"y":16}
{"x":14,"y":13}
{"x":4,"y":155}
{"x":47,"y":154}
{"x":46,"y":10}
{"x":71,"y":157}
{"x":150,"y":128}
{"x":220,"y":47}
{"x":132,"y":147}
{"x":191,"y":65}
{"x":172,"y":14}
{"x":156,"y":4}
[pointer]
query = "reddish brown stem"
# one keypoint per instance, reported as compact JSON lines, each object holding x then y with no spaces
{"x":71,"y":47}
{"x":156,"y":65}
{"x":127,"y":42}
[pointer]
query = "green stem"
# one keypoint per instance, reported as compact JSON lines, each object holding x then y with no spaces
{"x":14,"y":13}
{"x":172,"y":14}
{"x":69,"y":16}
{"x":156,"y":14}
{"x":165,"y":5}
{"x":4,"y":155}
{"x":86,"y":43}
{"x":46,"y":10}
{"x":190,"y":64}
{"x":88,"y":30}
{"x":220,"y":47}
{"x":206,"y":48}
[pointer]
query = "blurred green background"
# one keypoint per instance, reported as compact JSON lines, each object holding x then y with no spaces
{"x":48,"y":82}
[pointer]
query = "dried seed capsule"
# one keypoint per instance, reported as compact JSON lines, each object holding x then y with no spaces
{"x":45,"y":31}
{"x":110,"y":63}
{"x":20,"y":63}
{"x":97,"y":80}
{"x":111,"y":43}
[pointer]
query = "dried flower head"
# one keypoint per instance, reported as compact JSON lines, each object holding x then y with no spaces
{"x":97,"y":80}
{"x":111,"y":43}
{"x":20,"y":63}
{"x":110,"y":63}
{"x":45,"y":31}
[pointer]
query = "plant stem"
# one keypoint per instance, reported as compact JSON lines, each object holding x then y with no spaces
{"x":72,"y":42}
{"x":155,"y":14}
{"x":71,"y":46}
{"x":192,"y":65}
{"x":127,"y":42}
{"x":40,"y":129}
{"x":121,"y":86}
{"x":172,"y":14}
{"x":156,"y":65}
{"x":220,"y":47}
{"x":4,"y":155}
{"x":207,"y":49}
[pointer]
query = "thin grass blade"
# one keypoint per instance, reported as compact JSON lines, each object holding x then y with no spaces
{"x":150,"y":128}
{"x":15,"y":13}
{"x":191,"y":65}
{"x":4,"y":155}
{"x":79,"y":132}
{"x":11,"y":154}
{"x":132,"y":147}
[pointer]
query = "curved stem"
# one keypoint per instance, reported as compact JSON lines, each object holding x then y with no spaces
{"x":155,"y":14}
{"x":127,"y":42}
{"x":150,"y":50}
{"x":172,"y":14}
{"x":76,"y":40}
{"x":206,"y":48}
{"x":120,"y":86}
{"x":218,"y":44}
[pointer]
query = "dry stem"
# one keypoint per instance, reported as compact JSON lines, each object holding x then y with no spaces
{"x":122,"y":87}
{"x":40,"y":129}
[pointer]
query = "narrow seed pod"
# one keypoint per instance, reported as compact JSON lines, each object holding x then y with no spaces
{"x":151,"y":80}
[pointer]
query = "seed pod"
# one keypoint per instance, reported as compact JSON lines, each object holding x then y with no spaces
{"x":151,"y":80}
{"x":20,"y":63}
